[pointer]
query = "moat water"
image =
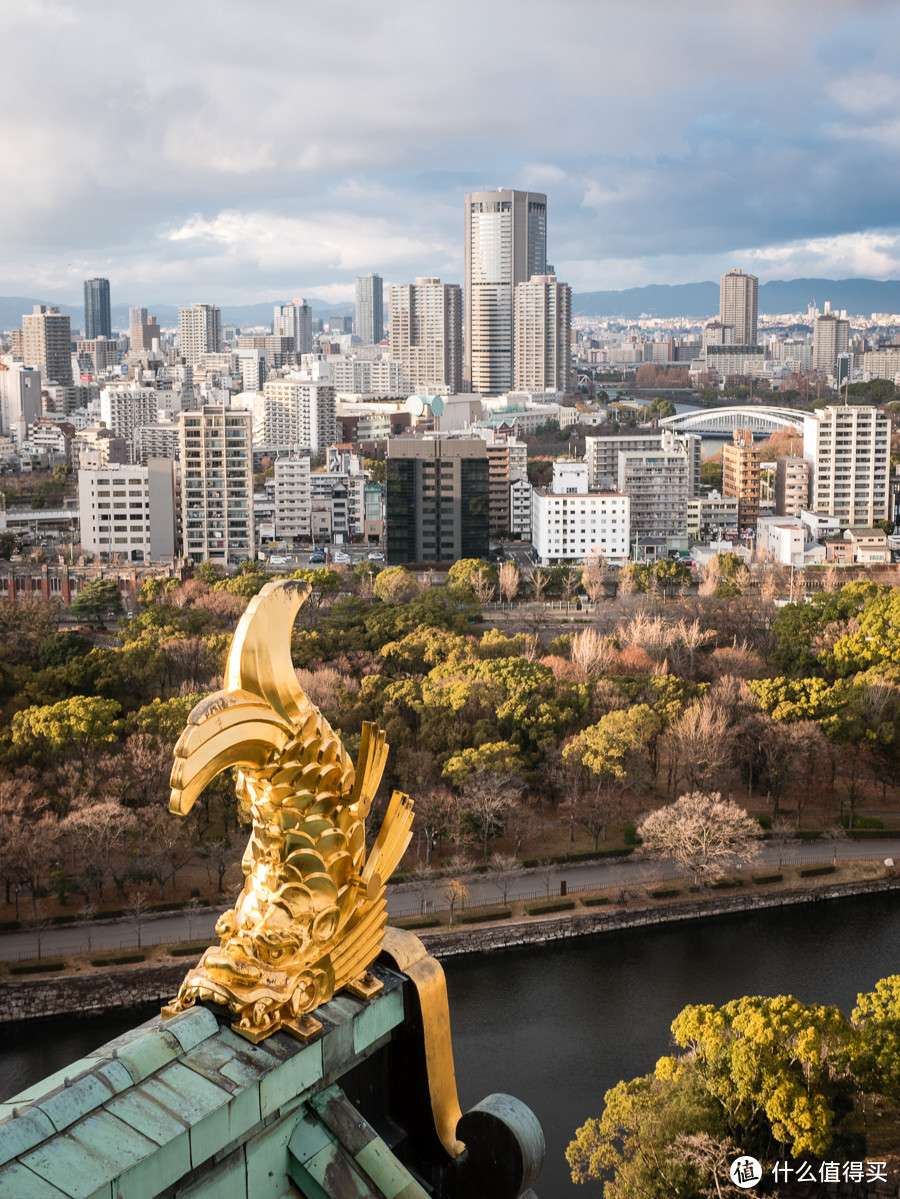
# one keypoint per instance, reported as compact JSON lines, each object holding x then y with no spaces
{"x":558,"y":1026}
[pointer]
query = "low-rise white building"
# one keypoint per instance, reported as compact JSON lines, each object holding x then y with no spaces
{"x":129,"y":510}
{"x":570,"y":523}
{"x":783,"y":538}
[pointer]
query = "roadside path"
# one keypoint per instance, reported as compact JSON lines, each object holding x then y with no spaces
{"x":403,"y":900}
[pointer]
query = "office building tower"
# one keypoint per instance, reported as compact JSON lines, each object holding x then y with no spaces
{"x":426,"y":334}
{"x":505,"y":244}
{"x":740,"y":477}
{"x":542,"y":335}
{"x":97,"y":317}
{"x":571,"y":522}
{"x":437,"y":499}
{"x":129,"y":510}
{"x":831,"y":337}
{"x":47,"y":343}
{"x":294,"y":320}
{"x":738,"y":302}
{"x":299,"y":415}
{"x":369,"y":309}
{"x":658,"y":483}
{"x":848,"y":449}
{"x":791,"y":486}
{"x":216,"y":484}
{"x":143,"y":330}
{"x":199,"y":332}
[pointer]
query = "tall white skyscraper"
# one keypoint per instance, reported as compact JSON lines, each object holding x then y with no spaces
{"x":426,"y":333}
{"x":369,"y":309}
{"x":543,"y":330}
{"x":831,"y":337}
{"x":505,"y":244}
{"x":295,"y":320}
{"x":199,"y":332}
{"x":738,"y":304}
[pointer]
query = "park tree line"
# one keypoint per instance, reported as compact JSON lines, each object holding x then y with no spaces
{"x":507,"y":737}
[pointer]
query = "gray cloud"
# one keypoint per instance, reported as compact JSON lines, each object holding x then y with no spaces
{"x":234,"y":152}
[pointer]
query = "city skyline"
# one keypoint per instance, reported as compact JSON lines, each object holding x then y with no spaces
{"x":673,"y":143}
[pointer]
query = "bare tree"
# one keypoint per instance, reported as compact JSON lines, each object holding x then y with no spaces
{"x":593,"y":578}
{"x":218,"y":855}
{"x":423,"y":877}
{"x":703,"y":833}
{"x":101,"y":831}
{"x":509,"y":581}
{"x":138,"y":909}
{"x":692,"y":637}
{"x":699,"y":741}
{"x":456,"y":892}
{"x":192,"y":910}
{"x":546,"y":872}
{"x":539,"y":581}
{"x":483,"y":587}
{"x":831,"y":580}
{"x":594,"y":808}
{"x":782,"y":834}
{"x":591,"y":652}
{"x":835,"y":835}
{"x":504,"y":870}
{"x":488,"y":797}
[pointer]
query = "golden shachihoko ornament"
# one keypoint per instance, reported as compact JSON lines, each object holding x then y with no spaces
{"x":311,"y":917}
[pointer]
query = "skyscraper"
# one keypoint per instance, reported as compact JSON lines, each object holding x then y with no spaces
{"x":199,"y":332}
{"x":217,"y":484}
{"x":295,"y":320}
{"x":543,"y":329}
{"x":738,"y":302}
{"x":97,"y":318}
{"x":831,"y":337}
{"x":369,"y":309}
{"x":426,"y":333}
{"x":437,"y":502}
{"x":47,"y":343}
{"x":505,"y":244}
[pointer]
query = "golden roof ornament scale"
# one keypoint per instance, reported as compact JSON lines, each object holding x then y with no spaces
{"x":310,"y":919}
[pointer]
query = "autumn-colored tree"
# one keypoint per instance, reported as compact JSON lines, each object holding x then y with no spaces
{"x":508,"y":581}
{"x":396,"y":585}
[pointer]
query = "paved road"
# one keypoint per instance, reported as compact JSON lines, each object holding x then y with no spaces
{"x":404,"y":900}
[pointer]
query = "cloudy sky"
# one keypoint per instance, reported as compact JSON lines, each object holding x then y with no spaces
{"x":234,"y":152}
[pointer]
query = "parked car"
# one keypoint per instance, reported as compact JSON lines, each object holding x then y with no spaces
{"x":376,"y":556}
{"x":340,"y":557}
{"x":317,"y":559}
{"x":278,"y":561}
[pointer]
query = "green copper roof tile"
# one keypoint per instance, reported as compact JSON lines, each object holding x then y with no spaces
{"x":70,"y":1103}
{"x":199,"y":1103}
{"x":96,"y":1149}
{"x":115,"y":1075}
{"x":141,"y":1110}
{"x":390,"y":1177}
{"x":226,"y":1180}
{"x":23,"y":1133}
{"x":294,"y":1076}
{"x":18,"y":1182}
{"x":191,"y":1027}
{"x":384,"y":1013}
{"x":267,"y":1160}
{"x":230,"y":1061}
{"x":149,"y":1053}
{"x":337,"y":1174}
{"x":38,"y":1090}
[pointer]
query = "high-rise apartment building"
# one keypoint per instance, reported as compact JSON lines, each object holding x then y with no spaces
{"x":426,"y":334}
{"x":571,"y":522}
{"x":740,"y":476}
{"x":47,"y":343}
{"x":507,"y":462}
{"x":791,"y":486}
{"x":293,"y":501}
{"x":97,"y":316}
{"x":370,"y":309}
{"x":124,"y":408}
{"x":295,"y":320}
{"x":199,"y":332}
{"x":602,"y":455}
{"x":543,"y":334}
{"x":831,"y":337}
{"x":505,"y":244}
{"x":299,"y":415}
{"x":129,"y":510}
{"x":437,"y":499}
{"x":738,"y":304}
{"x":216,"y":453}
{"x":657,"y":483}
{"x":20,"y":399}
{"x":848,"y":449}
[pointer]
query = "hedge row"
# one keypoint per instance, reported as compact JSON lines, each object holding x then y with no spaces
{"x":37,"y":967}
{"x":480,"y":915}
{"x":664,"y":893}
{"x":414,"y":922}
{"x":544,"y":909}
{"x":122,"y":959}
{"x":768,"y":878}
{"x":812,"y":871}
{"x":722,"y":884}
{"x":594,"y":901}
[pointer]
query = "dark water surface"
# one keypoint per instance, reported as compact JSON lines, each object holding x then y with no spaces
{"x":558,"y":1026}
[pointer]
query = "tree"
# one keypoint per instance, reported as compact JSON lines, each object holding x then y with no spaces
{"x":703,"y":833}
{"x":473,"y":572}
{"x":455,"y":892}
{"x":80,"y":725}
{"x":594,"y":577}
{"x":98,"y":600}
{"x":396,"y":585}
{"x":539,"y":581}
{"x":504,"y":869}
{"x":509,"y":581}
{"x":699,"y":742}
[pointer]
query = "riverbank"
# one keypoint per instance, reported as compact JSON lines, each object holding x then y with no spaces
{"x":120,"y":988}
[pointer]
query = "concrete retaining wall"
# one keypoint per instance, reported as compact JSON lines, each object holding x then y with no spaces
{"x":119,"y":989}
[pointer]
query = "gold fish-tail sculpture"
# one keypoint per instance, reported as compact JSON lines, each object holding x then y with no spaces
{"x":310,"y":919}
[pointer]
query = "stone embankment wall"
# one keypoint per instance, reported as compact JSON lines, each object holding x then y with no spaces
{"x":540,"y":930}
{"x":118,"y":989}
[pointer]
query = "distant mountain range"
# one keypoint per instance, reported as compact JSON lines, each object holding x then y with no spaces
{"x":245,"y":315}
{"x":700,"y":300}
{"x":860,"y":297}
